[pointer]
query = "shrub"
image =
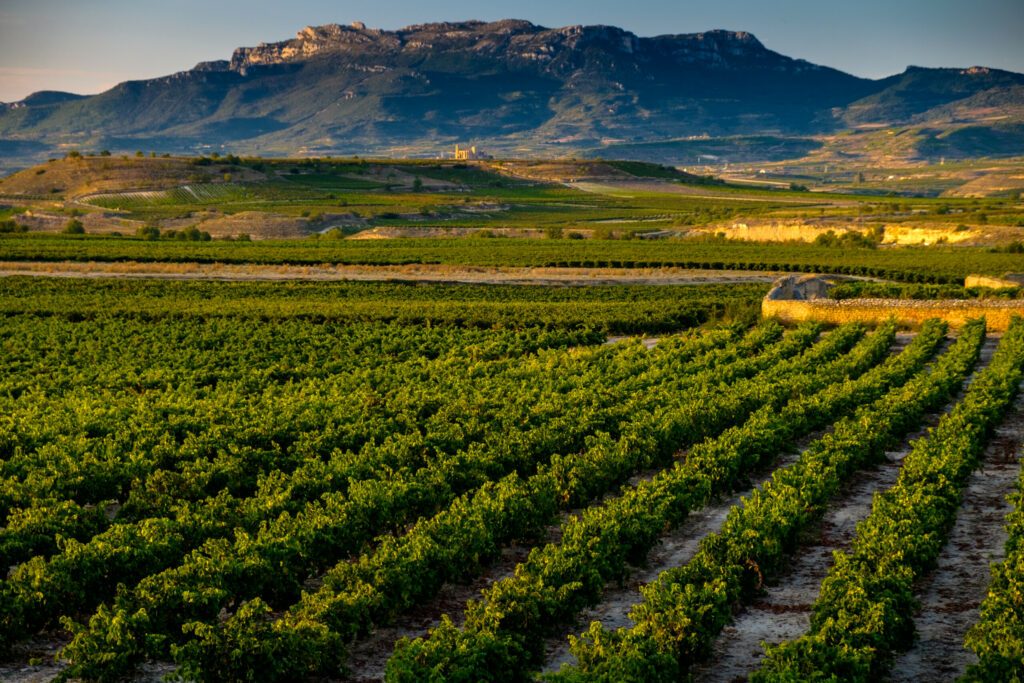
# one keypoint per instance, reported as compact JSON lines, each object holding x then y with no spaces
{"x":148,"y":233}
{"x":74,"y":227}
{"x":10,"y":226}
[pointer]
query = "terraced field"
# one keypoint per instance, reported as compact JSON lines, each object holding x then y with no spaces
{"x":185,"y":194}
{"x":263,"y":481}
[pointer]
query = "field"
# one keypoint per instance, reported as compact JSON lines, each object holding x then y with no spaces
{"x":351,"y":199}
{"x":352,"y":481}
{"x":944,"y":265}
{"x":499,"y":421}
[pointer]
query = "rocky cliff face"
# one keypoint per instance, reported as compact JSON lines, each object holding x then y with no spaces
{"x":507,"y":85}
{"x":512,"y":40}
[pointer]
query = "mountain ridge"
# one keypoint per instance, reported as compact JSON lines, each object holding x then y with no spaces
{"x":510,"y":85}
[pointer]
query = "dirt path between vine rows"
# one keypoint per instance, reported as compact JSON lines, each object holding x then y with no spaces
{"x":368,"y":656}
{"x":674,"y":549}
{"x":951,"y":595}
{"x":784,"y":611}
{"x":426,"y":272}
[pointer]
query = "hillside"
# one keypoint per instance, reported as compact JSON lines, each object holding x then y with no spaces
{"x":511,"y":86}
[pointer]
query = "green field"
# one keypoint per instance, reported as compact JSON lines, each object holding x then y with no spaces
{"x":242,"y":481}
{"x":920,"y":264}
{"x":601,"y":309}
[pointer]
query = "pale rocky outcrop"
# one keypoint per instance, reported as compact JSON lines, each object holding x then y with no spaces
{"x":1005,"y":282}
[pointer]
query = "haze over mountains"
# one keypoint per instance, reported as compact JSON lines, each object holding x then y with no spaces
{"x":514,"y":87}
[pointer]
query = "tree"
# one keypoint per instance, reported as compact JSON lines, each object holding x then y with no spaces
{"x":8,"y":226}
{"x":149,"y":233}
{"x":74,"y":227}
{"x":417,"y":184}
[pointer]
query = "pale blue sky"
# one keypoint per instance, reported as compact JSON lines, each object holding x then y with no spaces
{"x":86,"y":46}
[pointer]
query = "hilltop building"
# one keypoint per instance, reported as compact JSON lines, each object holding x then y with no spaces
{"x":463,"y":154}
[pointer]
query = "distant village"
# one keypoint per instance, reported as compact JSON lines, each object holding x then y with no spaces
{"x":466,"y":154}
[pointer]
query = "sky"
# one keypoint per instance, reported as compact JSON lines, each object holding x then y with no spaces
{"x":87,"y":46}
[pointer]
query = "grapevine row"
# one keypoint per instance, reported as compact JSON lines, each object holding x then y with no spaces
{"x":866,"y":607}
{"x":352,"y":499}
{"x":684,"y":610}
{"x":220,"y":572}
{"x":503,"y":632}
{"x":594,"y":394}
{"x":998,"y":636}
{"x":377,"y":587}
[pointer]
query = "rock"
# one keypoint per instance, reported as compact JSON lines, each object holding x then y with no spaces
{"x":799,"y":288}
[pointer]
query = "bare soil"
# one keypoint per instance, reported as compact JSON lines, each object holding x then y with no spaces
{"x":673,"y":550}
{"x":35,"y":662}
{"x":416,"y":273}
{"x":951,"y":595}
{"x":784,"y":611}
{"x":368,"y":656}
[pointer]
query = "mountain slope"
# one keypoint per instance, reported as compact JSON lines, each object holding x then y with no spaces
{"x":509,"y":85}
{"x":916,"y":91}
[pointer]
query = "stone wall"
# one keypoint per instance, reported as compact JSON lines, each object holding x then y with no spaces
{"x":910,"y":312}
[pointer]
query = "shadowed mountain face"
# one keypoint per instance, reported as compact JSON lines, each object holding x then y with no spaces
{"x":509,"y":85}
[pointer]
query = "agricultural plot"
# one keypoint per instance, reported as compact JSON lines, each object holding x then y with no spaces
{"x":207,"y":194}
{"x":186,"y":194}
{"x":409,"y":198}
{"x":945,"y":265}
{"x":257,"y":481}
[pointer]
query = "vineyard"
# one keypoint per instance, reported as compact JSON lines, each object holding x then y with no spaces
{"x":363,"y":481}
{"x":186,"y":194}
{"x":940,"y":265}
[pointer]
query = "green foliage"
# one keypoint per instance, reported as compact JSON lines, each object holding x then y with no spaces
{"x":9,"y":226}
{"x":555,"y":232}
{"x":849,"y":239}
{"x":685,"y":608}
{"x":941,"y":265}
{"x":611,"y":309}
{"x":998,"y":636}
{"x":883,"y":290}
{"x":866,"y":607}
{"x":74,"y":227}
{"x":558,"y":581}
{"x":149,"y":233}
